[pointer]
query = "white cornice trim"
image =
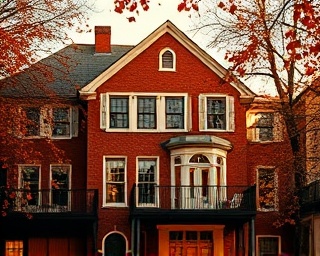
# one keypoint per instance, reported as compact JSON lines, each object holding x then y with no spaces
{"x":166,"y":27}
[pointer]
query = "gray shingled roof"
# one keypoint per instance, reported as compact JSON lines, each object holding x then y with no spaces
{"x":62,"y":73}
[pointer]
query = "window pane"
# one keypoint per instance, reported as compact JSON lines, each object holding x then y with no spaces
{"x":119,"y":110}
{"x":33,"y":121}
{"x":147,"y":181}
{"x":61,"y":122}
{"x":216,"y":115}
{"x":14,"y":248}
{"x":29,"y":182}
{"x":174,"y":113}
{"x":167,"y":59}
{"x":268,"y":246}
{"x":115,"y":183}
{"x":60,"y":184}
{"x":147,"y":113}
{"x":265,"y":126}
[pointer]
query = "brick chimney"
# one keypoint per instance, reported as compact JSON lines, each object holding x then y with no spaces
{"x":102,"y":39}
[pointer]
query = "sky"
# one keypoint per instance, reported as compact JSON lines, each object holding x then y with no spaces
{"x":131,"y":33}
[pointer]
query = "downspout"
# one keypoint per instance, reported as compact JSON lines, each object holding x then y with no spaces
{"x":138,"y":238}
{"x":133,"y":229}
{"x":252,"y":243}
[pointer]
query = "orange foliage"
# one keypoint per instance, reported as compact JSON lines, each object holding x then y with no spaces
{"x":29,"y":29}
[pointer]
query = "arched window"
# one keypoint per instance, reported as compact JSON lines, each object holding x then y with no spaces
{"x":167,"y":60}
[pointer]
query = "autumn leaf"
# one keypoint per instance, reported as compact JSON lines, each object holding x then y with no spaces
{"x":131,"y":19}
{"x":181,"y":6}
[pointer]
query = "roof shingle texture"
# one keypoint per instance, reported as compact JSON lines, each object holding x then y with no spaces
{"x":63,"y":73}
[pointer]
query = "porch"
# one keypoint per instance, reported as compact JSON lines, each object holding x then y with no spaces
{"x":181,"y":203}
{"x":53,"y":203}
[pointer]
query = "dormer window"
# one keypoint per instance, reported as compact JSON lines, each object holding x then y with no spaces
{"x":167,"y":60}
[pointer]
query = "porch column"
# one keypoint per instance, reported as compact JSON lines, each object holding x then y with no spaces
{"x":252,"y":242}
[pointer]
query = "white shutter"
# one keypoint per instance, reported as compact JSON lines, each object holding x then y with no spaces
{"x":231,"y":114}
{"x":202,"y":112}
{"x":189,"y":113}
{"x":103,"y":110}
{"x":75,"y":121}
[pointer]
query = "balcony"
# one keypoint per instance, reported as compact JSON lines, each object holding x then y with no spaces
{"x":186,"y":202}
{"x":310,"y":198}
{"x":58,"y":203}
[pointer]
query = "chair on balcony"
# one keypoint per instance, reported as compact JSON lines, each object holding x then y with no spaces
{"x":236,"y":200}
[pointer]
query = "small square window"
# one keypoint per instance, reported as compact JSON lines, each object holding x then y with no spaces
{"x":14,"y":248}
{"x":264,"y":127}
{"x":268,"y":245}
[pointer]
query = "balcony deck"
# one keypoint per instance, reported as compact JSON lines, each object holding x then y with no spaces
{"x":310,"y":198}
{"x":185,"y":202}
{"x":45,"y":203}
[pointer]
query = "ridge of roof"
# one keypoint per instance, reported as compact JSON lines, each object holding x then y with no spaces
{"x":88,"y":92}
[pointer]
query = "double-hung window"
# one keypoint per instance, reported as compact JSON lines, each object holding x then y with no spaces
{"x":264,"y":126}
{"x":147,"y":118}
{"x":268,"y":245}
{"x":147,"y":193}
{"x":114,"y":181}
{"x":60,"y":185}
{"x":144,"y":112}
{"x":29,"y":184}
{"x":175,"y":113}
{"x":267,"y":189}
{"x":55,"y":122}
{"x":119,"y":112}
{"x":32,"y":121}
{"x":216,"y":112}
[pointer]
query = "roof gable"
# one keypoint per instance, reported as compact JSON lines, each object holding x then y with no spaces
{"x":89,"y":91}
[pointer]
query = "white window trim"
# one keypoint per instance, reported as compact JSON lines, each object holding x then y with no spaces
{"x":104,"y":197}
{"x":276,"y":207}
{"x":267,"y":236}
{"x":173,"y":69}
{"x":229,"y":112}
{"x":21,"y":166}
{"x":133,"y":99}
{"x":156,"y":204}
{"x":69,"y":185}
{"x":46,"y":127}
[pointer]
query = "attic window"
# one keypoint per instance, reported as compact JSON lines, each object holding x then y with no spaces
{"x":167,"y":60}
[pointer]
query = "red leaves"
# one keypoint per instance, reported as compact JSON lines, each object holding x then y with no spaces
{"x":131,"y":6}
{"x":187,"y":5}
{"x":228,"y":6}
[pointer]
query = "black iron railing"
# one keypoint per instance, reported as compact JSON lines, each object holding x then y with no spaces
{"x":77,"y":201}
{"x":194,"y":197}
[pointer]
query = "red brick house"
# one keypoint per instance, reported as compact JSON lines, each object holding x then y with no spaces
{"x":184,"y":160}
{"x":181,"y":156}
